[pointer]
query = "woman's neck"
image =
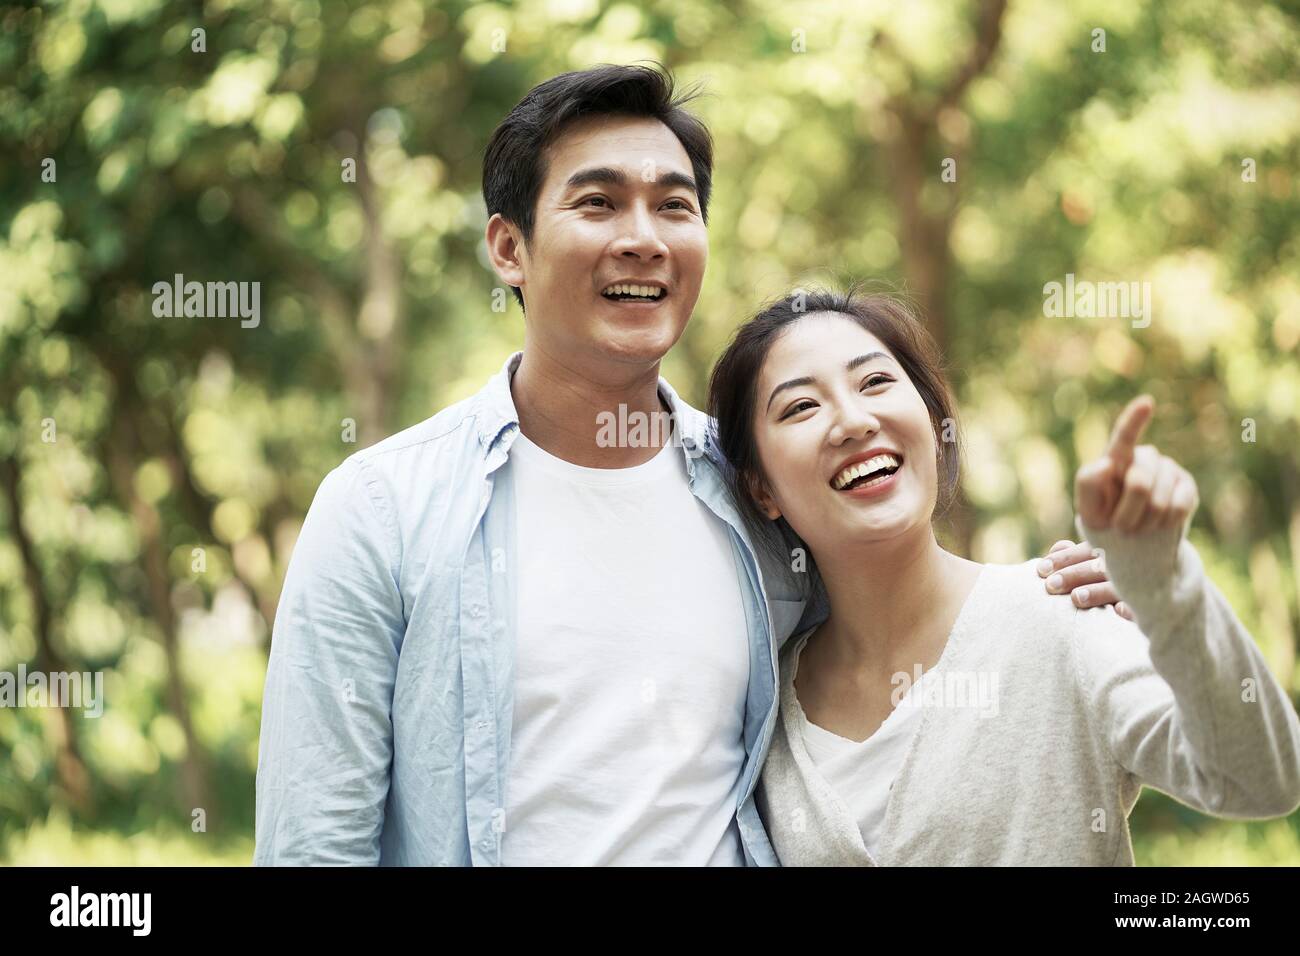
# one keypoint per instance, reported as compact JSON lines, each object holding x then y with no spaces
{"x":893,"y":602}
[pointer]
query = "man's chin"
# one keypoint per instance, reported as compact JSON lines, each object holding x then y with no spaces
{"x":648,"y":344}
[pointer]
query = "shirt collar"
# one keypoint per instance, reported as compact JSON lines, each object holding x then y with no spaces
{"x":497,"y":413}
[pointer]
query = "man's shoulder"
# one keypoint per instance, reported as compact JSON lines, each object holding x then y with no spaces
{"x":406,"y":467}
{"x":441,"y":432}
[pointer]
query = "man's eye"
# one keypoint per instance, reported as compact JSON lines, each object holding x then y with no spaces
{"x":596,"y":199}
{"x":682,"y":204}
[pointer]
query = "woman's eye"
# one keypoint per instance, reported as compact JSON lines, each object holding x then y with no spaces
{"x":871,"y":381}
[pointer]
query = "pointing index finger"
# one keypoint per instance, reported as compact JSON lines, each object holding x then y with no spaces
{"x":1131,"y":424}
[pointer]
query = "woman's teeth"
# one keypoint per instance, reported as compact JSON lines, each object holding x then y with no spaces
{"x":624,"y":290}
{"x":888,"y":463}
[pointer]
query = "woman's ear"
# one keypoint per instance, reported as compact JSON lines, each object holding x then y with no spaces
{"x":758,"y":491}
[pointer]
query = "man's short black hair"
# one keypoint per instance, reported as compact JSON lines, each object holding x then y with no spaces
{"x":513,"y":165}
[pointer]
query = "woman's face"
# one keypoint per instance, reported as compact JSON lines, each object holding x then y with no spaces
{"x":831,"y":395}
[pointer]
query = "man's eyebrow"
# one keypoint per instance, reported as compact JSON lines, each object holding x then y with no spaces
{"x":601,"y":175}
{"x":673,"y":179}
{"x":609,"y":176}
{"x":849,"y":366}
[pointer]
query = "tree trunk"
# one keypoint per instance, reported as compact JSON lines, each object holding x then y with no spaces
{"x":70,"y":769}
{"x":195,"y":789}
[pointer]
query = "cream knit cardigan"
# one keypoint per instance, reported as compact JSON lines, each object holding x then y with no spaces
{"x":1087,"y":708}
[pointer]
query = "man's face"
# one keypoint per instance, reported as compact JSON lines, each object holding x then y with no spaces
{"x":617,"y":205}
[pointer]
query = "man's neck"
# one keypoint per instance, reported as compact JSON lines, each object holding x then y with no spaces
{"x":574,"y":413}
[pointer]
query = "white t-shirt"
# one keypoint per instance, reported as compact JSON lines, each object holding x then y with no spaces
{"x":631,"y":669}
{"x":862,"y":772}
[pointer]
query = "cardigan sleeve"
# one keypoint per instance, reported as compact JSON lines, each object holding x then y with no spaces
{"x":1184,"y":699}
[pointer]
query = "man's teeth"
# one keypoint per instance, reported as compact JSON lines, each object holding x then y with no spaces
{"x":646,"y":291}
{"x":865,"y":468}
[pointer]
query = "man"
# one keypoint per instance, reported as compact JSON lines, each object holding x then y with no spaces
{"x":504,"y":638}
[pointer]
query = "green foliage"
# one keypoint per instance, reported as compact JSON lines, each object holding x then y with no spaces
{"x":161,"y":466}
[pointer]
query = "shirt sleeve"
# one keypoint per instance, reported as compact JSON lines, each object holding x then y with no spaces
{"x":1184,"y":698}
{"x":326,"y":746}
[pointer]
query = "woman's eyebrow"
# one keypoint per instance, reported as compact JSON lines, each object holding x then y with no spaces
{"x":849,"y":366}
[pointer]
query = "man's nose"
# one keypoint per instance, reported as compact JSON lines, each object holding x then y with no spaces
{"x":640,"y":238}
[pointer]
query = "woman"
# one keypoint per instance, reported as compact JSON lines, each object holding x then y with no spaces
{"x":951,"y":712}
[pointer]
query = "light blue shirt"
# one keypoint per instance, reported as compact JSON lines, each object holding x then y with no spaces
{"x":387,"y":711}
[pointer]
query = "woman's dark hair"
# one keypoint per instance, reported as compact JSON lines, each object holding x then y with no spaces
{"x":733,"y":397}
{"x":514,"y":167}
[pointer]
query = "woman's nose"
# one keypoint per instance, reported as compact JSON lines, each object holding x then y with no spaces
{"x":853,"y":419}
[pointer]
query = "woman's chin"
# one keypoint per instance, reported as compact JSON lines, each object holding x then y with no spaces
{"x":882,"y":522}
{"x":837,"y":533}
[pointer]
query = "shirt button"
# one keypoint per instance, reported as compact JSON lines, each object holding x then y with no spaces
{"x":481,"y":725}
{"x":475,"y":611}
{"x":486,"y":844}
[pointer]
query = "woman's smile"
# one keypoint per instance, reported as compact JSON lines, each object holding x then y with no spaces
{"x":872,"y":471}
{"x":881,"y":482}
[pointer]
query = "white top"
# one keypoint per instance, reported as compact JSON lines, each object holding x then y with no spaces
{"x":1048,"y":720}
{"x":631,"y":670}
{"x":863,"y":772}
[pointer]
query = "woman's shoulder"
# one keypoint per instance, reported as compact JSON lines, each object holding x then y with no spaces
{"x":1022,"y":615}
{"x":1009,"y":608}
{"x":1015,"y":607}
{"x":1020,"y":585}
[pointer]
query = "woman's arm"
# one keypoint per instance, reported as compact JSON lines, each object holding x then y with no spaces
{"x":1184,"y":698}
{"x":1186,"y":701}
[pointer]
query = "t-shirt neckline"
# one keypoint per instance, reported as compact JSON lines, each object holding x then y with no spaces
{"x":660,"y":464}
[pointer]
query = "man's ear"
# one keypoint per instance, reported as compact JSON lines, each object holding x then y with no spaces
{"x":505,"y":249}
{"x":766,"y":504}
